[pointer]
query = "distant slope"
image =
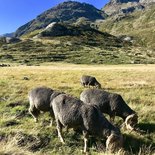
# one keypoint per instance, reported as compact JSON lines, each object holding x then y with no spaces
{"x":7,"y":35}
{"x":68,"y":11}
{"x":140,"y":25}
{"x":86,"y":47}
{"x":81,"y":35}
{"x":126,"y":6}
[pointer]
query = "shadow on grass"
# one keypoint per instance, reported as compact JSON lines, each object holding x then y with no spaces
{"x":135,"y":144}
{"x":147,"y":127}
{"x":64,"y":88}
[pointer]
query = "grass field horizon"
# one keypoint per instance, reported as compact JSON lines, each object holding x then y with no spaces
{"x":20,"y":135}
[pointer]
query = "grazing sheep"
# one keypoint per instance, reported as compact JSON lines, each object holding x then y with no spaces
{"x":40,"y":99}
{"x":73,"y":113}
{"x":111,"y":104}
{"x":89,"y":81}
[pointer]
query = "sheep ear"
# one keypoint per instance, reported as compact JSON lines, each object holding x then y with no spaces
{"x":63,"y":101}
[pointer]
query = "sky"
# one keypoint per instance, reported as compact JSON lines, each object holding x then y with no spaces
{"x":15,"y":13}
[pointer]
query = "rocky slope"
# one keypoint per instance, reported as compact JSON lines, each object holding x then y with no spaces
{"x":126,"y":6}
{"x":65,"y":12}
{"x":139,"y":24}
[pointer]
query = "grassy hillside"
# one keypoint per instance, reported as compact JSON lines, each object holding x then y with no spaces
{"x":20,"y":135}
{"x":140,"y":25}
{"x":88,"y":48}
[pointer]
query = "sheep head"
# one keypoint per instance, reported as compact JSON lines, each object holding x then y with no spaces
{"x":114,"y":142}
{"x":131,"y":121}
{"x":98,"y":85}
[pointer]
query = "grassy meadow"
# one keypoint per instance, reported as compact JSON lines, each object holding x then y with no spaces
{"x":19,"y":135}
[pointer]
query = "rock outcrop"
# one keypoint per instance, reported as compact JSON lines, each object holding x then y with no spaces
{"x":126,"y":6}
{"x":61,"y":29}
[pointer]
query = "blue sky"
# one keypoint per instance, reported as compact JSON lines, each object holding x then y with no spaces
{"x":15,"y":13}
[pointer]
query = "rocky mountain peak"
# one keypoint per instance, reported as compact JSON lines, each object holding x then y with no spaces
{"x":69,"y":11}
{"x":73,"y":5}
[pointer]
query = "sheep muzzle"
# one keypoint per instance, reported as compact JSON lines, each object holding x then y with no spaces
{"x":114,"y":142}
{"x":98,"y":86}
{"x":131,"y":121}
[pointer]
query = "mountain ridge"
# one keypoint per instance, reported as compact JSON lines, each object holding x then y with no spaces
{"x":139,"y":25}
{"x":68,"y":11}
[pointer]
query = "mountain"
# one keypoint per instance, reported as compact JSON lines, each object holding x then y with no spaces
{"x":125,"y":6}
{"x":66,"y":43}
{"x":61,"y":29}
{"x":76,"y":32}
{"x":139,"y":24}
{"x":69,"y":11}
{"x":146,"y":1}
{"x":7,"y":35}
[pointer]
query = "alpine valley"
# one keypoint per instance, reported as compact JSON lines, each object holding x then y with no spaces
{"x":122,"y":32}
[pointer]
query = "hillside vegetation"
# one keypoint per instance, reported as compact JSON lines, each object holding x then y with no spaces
{"x":87,"y":36}
{"x":140,"y":25}
{"x":88,"y":46}
{"x":20,"y":135}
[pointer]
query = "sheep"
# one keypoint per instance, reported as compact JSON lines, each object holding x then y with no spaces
{"x":71,"y":112}
{"x":90,"y":81}
{"x":40,"y":99}
{"x":111,"y":104}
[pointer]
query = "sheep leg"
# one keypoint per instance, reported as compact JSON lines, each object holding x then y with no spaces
{"x":123,"y":126}
{"x":35,"y":113}
{"x":52,"y":115}
{"x":51,"y":122}
{"x":82,"y":84}
{"x":59,"y":129}
{"x":85,"y":134}
{"x":66,"y":128}
{"x":112,"y":118}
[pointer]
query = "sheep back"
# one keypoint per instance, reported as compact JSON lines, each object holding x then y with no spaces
{"x":40,"y":98}
{"x":65,"y":109}
{"x":109,"y":103}
{"x":73,"y":113}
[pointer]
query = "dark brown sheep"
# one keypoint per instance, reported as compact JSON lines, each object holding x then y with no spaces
{"x":40,"y":99}
{"x":111,"y":104}
{"x":73,"y":113}
{"x":89,"y":81}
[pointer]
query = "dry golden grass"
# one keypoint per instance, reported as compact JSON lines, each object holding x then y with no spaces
{"x":134,"y":82}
